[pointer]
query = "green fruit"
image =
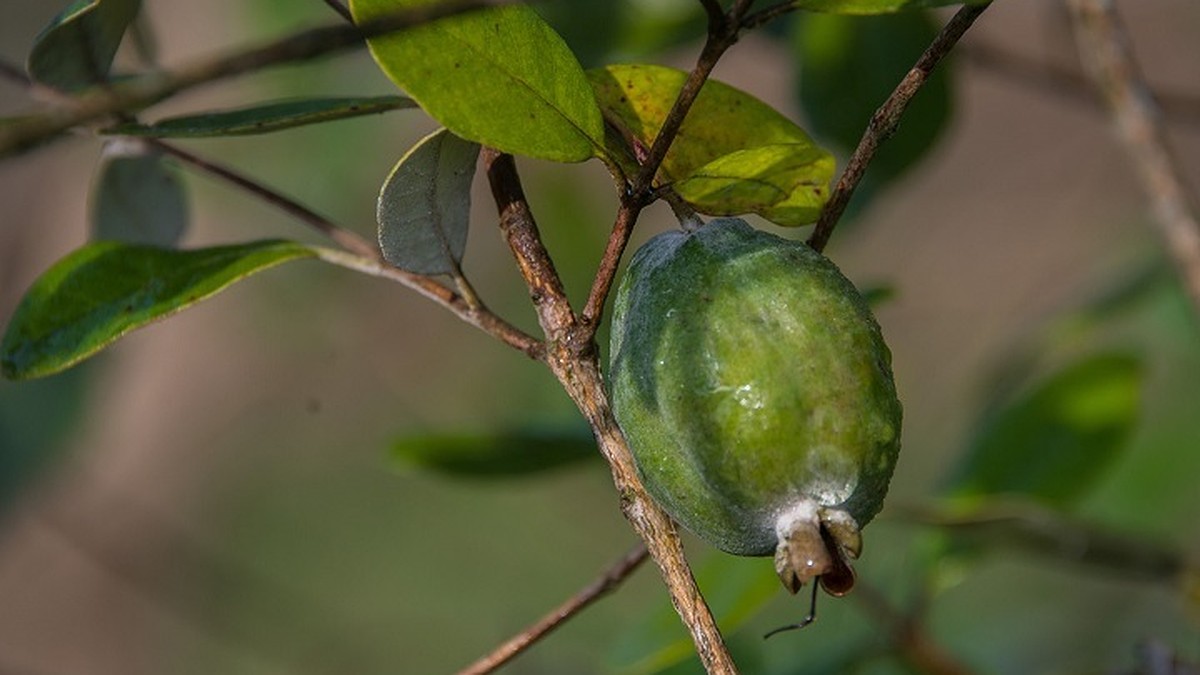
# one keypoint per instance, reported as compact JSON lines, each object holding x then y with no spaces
{"x":756,"y":393}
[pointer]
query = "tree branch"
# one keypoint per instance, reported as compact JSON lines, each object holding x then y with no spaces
{"x":572,"y":357}
{"x":1104,"y":48}
{"x":607,"y":583}
{"x":723,"y":32}
{"x":149,"y":89}
{"x":886,"y":119}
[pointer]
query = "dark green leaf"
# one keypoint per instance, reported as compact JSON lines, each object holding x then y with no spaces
{"x":494,"y":456}
{"x":734,"y":154}
{"x":1055,"y":441}
{"x":265,"y":118}
{"x":425,"y":205}
{"x":592,"y":28}
{"x":76,"y":50}
{"x":849,"y":66}
{"x":104,"y":290}
{"x":877,"y":6}
{"x":500,"y":77}
{"x":138,"y":198}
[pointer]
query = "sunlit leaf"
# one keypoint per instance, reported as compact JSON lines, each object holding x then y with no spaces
{"x":736,"y":589}
{"x":138,"y":198}
{"x":497,"y":455}
{"x":500,"y":77}
{"x":76,"y":50}
{"x":734,"y":154}
{"x":424,"y":207}
{"x":1055,"y":441}
{"x":265,"y":118}
{"x":848,"y":66}
{"x":877,"y":6}
{"x":101,"y":291}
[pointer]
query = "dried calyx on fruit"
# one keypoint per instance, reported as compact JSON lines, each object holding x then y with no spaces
{"x":756,"y":392}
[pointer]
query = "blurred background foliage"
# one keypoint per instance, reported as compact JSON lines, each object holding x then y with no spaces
{"x":216,"y":493}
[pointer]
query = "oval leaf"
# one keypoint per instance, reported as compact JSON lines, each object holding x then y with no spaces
{"x":876,"y":6}
{"x":101,"y":291}
{"x":425,"y":205}
{"x":76,"y":50}
{"x":494,"y":456}
{"x":849,"y":66}
{"x":1053,"y":443}
{"x":265,"y":118}
{"x":501,"y":77}
{"x":138,"y":199}
{"x":734,"y":154}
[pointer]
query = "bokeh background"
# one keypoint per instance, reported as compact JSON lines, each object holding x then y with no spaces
{"x":214,"y":494}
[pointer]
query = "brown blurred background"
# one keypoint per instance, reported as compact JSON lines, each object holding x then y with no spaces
{"x":225,"y":503}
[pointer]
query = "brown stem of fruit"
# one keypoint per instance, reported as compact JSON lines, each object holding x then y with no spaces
{"x":573,"y":358}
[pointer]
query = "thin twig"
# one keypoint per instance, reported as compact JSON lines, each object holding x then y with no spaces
{"x":149,"y":89}
{"x":343,"y":237}
{"x":479,"y":317}
{"x":574,"y":360}
{"x":1177,"y":106}
{"x":1104,"y":48}
{"x":886,"y":119}
{"x":723,"y":30}
{"x":341,"y":9}
{"x":522,"y":641}
{"x":361,"y":256}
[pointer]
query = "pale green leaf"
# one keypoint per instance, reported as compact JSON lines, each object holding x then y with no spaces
{"x":76,"y":50}
{"x":500,"y":77}
{"x":99,"y":292}
{"x":264,"y":118}
{"x":424,"y":207}
{"x":138,"y":198}
{"x":734,"y":154}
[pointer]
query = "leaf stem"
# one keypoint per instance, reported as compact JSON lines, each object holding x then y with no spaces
{"x":149,"y":89}
{"x":887,"y":118}
{"x":608,"y":582}
{"x":1104,"y":48}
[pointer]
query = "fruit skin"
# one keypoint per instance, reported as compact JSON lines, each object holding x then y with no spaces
{"x":756,"y":393}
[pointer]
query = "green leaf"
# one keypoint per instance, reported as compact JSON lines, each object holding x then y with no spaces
{"x":101,"y":291}
{"x":500,"y":77}
{"x":734,"y":154}
{"x":76,"y":50}
{"x":736,"y":589}
{"x":848,"y":68}
{"x":425,"y":205}
{"x":1054,"y":442}
{"x":877,"y":6}
{"x":501,"y":455}
{"x":264,"y":118}
{"x":138,"y":198}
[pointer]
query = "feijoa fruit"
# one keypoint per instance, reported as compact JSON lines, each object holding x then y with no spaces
{"x":756,"y":392}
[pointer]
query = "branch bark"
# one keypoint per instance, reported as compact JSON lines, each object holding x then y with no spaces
{"x":573,"y":358}
{"x":1104,"y":48}
{"x":886,"y":119}
{"x":607,"y":583}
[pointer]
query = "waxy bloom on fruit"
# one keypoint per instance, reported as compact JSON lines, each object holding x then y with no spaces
{"x":756,"y":392}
